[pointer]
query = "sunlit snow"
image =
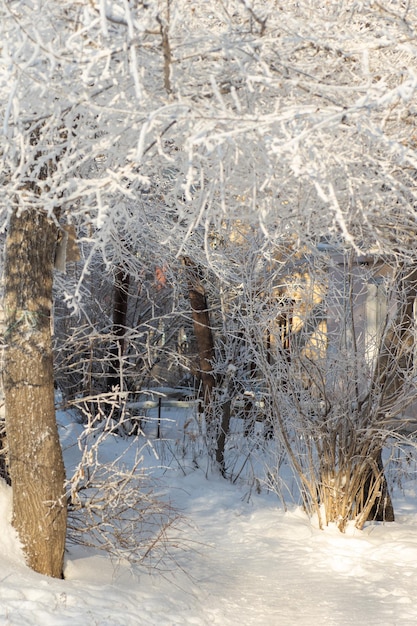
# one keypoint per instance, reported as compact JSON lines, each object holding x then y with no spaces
{"x":241,"y":560}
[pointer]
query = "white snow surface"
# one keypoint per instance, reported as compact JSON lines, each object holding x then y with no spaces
{"x":241,"y":561}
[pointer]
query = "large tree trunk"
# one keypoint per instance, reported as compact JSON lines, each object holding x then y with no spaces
{"x":35,"y":456}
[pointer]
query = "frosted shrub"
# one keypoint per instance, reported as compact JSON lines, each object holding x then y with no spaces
{"x":114,"y":505}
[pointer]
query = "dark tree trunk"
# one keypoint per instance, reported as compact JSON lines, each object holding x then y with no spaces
{"x":382,"y":509}
{"x":120,"y":302}
{"x":202,"y":330}
{"x":394,"y":363}
{"x":35,"y":456}
{"x":221,"y":437}
{"x":205,"y":345}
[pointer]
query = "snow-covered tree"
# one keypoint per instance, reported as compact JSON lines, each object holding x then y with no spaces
{"x":155,"y":118}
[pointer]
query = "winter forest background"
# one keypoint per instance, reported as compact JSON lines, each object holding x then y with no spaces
{"x":208,"y":222}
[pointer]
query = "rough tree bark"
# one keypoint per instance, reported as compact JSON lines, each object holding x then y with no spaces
{"x":35,"y":457}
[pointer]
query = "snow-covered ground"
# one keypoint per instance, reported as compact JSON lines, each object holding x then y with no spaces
{"x":239,"y":561}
